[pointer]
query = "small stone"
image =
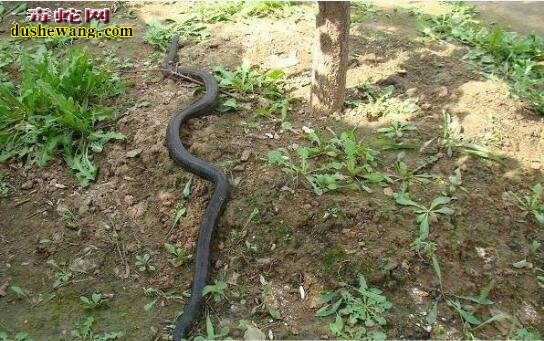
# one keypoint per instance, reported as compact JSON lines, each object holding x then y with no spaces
{"x":523,"y":264}
{"x":138,"y":210}
{"x":307,"y":206}
{"x":84,"y":206}
{"x":253,"y":333}
{"x":129,"y":200}
{"x":82,"y":265}
{"x":27,"y":184}
{"x":239,"y":168}
{"x":390,"y":266}
{"x":411,"y":92}
{"x":245,"y":155}
{"x":133,"y":153}
{"x":442,"y":91}
{"x":388,"y":192}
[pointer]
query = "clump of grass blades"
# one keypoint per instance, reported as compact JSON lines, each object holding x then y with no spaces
{"x":226,"y":11}
{"x":517,"y":59}
{"x":160,"y":35}
{"x":54,"y":111}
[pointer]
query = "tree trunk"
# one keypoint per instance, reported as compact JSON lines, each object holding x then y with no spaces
{"x":330,"y":59}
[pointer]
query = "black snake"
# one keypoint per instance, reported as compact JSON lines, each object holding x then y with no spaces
{"x":191,"y":163}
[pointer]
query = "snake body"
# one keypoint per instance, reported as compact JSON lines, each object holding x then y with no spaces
{"x":191,"y":163}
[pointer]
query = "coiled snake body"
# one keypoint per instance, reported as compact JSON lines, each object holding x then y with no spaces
{"x":182,"y":157}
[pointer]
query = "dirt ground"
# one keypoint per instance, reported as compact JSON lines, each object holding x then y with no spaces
{"x":129,"y":209}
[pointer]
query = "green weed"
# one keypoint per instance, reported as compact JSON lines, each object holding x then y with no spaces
{"x":217,"y":290}
{"x":397,"y":129}
{"x":181,"y":211}
{"x":360,"y":10}
{"x":84,"y":331}
{"x":525,"y":334}
{"x":160,"y":35}
{"x":407,"y":176}
{"x":70,"y":219}
{"x":382,"y":102}
{"x":55,"y":111}
{"x":532,"y":204}
{"x":332,"y":259}
{"x":277,"y":9}
{"x":144,"y":263}
{"x":470,"y":320}
{"x":9,"y":53}
{"x":516,"y":59}
{"x":20,"y":292}
{"x":19,"y":336}
{"x":219,"y":12}
{"x":247,"y":79}
{"x":452,"y":140}
{"x":212,"y":333}
{"x":177,"y":253}
{"x":236,"y":10}
{"x":4,"y":187}
{"x":359,"y":311}
{"x":342,"y":152}
{"x":92,"y":301}
{"x":269,"y":85}
{"x":62,"y":276}
{"x":429,"y":249}
{"x":426,"y":215}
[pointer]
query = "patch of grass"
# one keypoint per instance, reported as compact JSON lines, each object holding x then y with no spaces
{"x":332,"y":258}
{"x":360,"y":10}
{"x":9,"y":53}
{"x":397,"y":130}
{"x":18,"y":336}
{"x":4,"y":187}
{"x":360,"y":311}
{"x":92,"y":301}
{"x":346,"y":163}
{"x":219,"y":11}
{"x":212,"y":333}
{"x":532,"y":204}
{"x":381,"y":102}
{"x":276,"y":9}
{"x":70,"y":219}
{"x":84,"y":331}
{"x":55,"y":110}
{"x":471,"y":315}
{"x":495,"y":51}
{"x":160,"y":35}
{"x":177,"y":253}
{"x":62,"y":276}
{"x":452,"y":140}
{"x":281,"y":232}
{"x":217,"y":290}
{"x":236,"y":10}
{"x":525,"y":334}
{"x":247,"y":79}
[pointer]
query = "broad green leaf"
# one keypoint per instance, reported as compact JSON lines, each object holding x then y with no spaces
{"x":433,"y":314}
{"x":438,"y":201}
{"x":337,"y":326}
{"x":329,"y":309}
